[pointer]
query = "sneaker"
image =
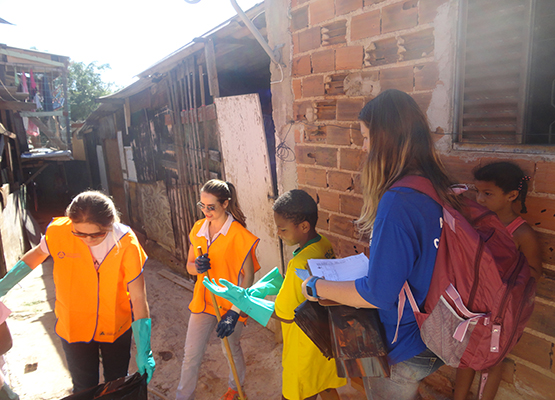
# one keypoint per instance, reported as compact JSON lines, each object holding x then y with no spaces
{"x":230,"y":395}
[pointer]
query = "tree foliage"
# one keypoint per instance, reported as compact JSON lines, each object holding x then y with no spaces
{"x":84,"y":85}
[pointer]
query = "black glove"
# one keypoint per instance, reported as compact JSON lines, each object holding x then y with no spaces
{"x":226,"y":326}
{"x":202,"y":263}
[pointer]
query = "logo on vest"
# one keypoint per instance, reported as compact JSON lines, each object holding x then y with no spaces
{"x":62,"y":255}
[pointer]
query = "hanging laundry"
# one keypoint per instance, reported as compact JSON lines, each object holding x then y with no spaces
{"x":47,"y":97}
{"x":15,"y":77}
{"x":37,"y":101}
{"x":24,"y":87}
{"x":33,"y":83}
{"x":32,"y":129}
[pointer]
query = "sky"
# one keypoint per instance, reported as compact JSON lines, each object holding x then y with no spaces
{"x":130,"y":35}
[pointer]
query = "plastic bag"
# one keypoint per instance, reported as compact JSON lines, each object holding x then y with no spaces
{"x":131,"y":387}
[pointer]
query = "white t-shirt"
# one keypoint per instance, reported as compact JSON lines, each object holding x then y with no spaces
{"x":101,"y":250}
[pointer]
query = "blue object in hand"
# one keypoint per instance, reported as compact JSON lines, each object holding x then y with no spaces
{"x":202,"y":263}
{"x":145,"y":362}
{"x":226,"y":326}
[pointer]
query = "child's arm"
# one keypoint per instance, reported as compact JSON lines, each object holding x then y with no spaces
{"x":528,"y":243}
{"x":248,"y":272}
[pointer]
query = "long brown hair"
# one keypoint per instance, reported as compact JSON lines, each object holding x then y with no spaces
{"x":226,"y":191}
{"x":400,"y":144}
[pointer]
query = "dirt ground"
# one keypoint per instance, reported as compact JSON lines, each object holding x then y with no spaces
{"x":36,"y":367}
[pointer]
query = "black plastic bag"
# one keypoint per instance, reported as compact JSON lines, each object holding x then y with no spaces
{"x":131,"y":387}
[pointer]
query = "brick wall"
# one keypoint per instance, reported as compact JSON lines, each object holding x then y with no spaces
{"x":345,"y":52}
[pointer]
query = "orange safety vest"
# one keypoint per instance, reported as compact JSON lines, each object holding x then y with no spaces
{"x":91,"y":304}
{"x":227,"y":255}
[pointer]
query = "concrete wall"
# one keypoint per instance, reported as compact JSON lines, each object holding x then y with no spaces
{"x":345,"y":52}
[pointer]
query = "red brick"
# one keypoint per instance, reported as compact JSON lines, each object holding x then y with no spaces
{"x":345,"y":248}
{"x":542,"y":319}
{"x":349,"y":57}
{"x":426,"y":76}
{"x":459,"y":169}
{"x":328,"y":200}
{"x":342,"y":225}
{"x":317,"y":155}
{"x":423,"y":99}
{"x":399,"y":16}
{"x":301,"y":109}
{"x":381,"y":52}
{"x":346,"y":6}
{"x":312,"y":192}
{"x":372,"y":2}
{"x":297,"y":89}
{"x":541,"y":213}
{"x":397,"y":78}
{"x":313,"y":86}
{"x":365,"y":25}
{"x":348,"y":109}
{"x":298,"y":135}
{"x":358,"y":183}
{"x":417,"y":45}
{"x":320,"y":11}
{"x":546,"y":285}
{"x":544,"y":178}
{"x":326,"y":109}
{"x":356,"y":136}
{"x":308,"y":40}
{"x":299,"y":19}
{"x":536,"y":385}
{"x":312,"y":176}
{"x":334,"y":33}
{"x":323,"y":61}
{"x":547,"y":244}
{"x":351,"y":159}
{"x":323,"y":221}
{"x":351,"y":205}
{"x":315,"y":134}
{"x":338,"y":135}
{"x":341,"y":181}
{"x":534,"y":349}
{"x":427,"y":10}
{"x":334,"y":84}
{"x":301,"y":66}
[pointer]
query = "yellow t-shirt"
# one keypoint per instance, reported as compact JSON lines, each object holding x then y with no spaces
{"x":306,"y":371}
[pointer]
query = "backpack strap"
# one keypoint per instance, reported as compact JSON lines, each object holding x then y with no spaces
{"x":420,"y":184}
{"x":455,"y":297}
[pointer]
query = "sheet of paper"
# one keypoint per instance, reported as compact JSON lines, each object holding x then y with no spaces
{"x":340,"y":269}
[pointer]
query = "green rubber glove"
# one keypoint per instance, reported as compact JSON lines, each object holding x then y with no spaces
{"x":260,"y":310}
{"x":268,"y":285}
{"x":145,"y":361}
{"x":14,"y":275}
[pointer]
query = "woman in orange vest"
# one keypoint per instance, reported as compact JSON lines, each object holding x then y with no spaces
{"x":100,"y":289}
{"x":228,"y":252}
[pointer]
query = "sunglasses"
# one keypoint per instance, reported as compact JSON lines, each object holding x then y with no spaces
{"x":95,"y":235}
{"x":210,"y":207}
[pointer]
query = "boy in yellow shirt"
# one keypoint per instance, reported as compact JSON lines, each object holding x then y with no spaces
{"x":306,"y":372}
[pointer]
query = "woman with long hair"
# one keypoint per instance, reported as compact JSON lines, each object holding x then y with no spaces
{"x":404,"y":226}
{"x":228,"y":251}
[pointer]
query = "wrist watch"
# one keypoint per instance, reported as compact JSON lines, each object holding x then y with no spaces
{"x":311,"y":287}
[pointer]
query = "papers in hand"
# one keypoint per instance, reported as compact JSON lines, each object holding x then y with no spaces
{"x":340,"y":269}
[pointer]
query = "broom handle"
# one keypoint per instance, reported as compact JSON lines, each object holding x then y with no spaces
{"x":226,"y":342}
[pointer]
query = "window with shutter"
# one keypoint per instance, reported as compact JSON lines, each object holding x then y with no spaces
{"x":506,"y":72}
